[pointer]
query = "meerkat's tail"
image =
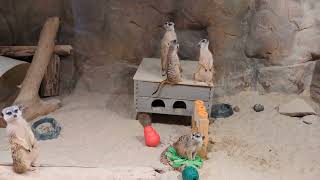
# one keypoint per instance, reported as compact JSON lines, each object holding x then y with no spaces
{"x":160,"y":86}
{"x":163,"y":158}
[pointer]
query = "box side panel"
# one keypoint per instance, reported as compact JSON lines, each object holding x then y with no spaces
{"x":174,"y":91}
{"x":166,"y":106}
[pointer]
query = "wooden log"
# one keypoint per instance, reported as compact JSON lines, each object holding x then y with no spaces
{"x":3,"y":123}
{"x":25,"y":51}
{"x":50,"y":85}
{"x":28,"y":95}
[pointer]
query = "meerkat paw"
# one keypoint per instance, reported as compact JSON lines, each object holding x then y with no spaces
{"x":32,"y":168}
{"x":194,"y":156}
{"x":190,"y":156}
{"x":35,"y":164}
{"x":163,"y":73}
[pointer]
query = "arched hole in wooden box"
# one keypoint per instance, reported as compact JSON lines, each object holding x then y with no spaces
{"x":158,"y":105}
{"x":179,"y":106}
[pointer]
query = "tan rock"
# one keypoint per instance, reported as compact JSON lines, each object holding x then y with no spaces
{"x":296,"y":107}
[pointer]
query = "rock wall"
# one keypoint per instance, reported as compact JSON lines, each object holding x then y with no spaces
{"x":284,"y":32}
{"x":254,"y":42}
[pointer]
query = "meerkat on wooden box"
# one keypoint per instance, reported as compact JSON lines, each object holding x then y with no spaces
{"x":168,"y":36}
{"x":205,"y":71}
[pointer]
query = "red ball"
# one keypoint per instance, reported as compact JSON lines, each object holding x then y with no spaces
{"x":152,"y":138}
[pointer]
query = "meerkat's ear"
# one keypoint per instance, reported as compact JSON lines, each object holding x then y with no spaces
{"x":21,"y":107}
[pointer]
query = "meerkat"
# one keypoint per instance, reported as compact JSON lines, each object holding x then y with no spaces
{"x":186,"y":146}
{"x":173,"y":66}
{"x":205,"y":71}
{"x":23,"y":145}
{"x":168,"y":36}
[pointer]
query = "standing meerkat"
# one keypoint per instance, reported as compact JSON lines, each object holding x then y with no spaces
{"x":205,"y":71}
{"x":24,"y":147}
{"x":174,"y":67}
{"x":168,"y":36}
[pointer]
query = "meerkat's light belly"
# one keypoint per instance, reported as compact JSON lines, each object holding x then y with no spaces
{"x":173,"y":75}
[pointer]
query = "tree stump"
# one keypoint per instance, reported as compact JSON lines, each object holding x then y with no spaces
{"x":28,"y":95}
{"x":50,"y":85}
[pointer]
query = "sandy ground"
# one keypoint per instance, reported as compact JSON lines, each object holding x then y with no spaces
{"x":264,"y":145}
{"x":99,"y":130}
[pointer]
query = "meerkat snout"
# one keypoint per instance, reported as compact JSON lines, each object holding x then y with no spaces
{"x":197,"y":136}
{"x":203,"y":43}
{"x":169,"y":26}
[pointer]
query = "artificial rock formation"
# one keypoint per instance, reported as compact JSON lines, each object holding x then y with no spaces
{"x":284,"y":32}
{"x":246,"y":36}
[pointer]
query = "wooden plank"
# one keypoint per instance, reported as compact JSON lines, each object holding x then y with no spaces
{"x":204,"y":130}
{"x":25,"y":51}
{"x":200,"y":123}
{"x":173,"y":91}
{"x":50,"y":85}
{"x":8,"y":63}
{"x":150,"y":71}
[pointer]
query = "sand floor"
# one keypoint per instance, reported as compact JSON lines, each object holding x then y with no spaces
{"x":99,"y":130}
{"x":264,"y":145}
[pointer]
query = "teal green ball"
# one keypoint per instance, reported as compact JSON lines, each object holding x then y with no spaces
{"x":190,"y":173}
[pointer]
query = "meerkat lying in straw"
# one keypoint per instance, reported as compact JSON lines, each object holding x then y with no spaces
{"x":168,"y":36}
{"x":23,"y":145}
{"x":173,"y":68}
{"x":205,"y":71}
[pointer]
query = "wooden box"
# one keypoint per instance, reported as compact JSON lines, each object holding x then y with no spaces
{"x":171,"y":99}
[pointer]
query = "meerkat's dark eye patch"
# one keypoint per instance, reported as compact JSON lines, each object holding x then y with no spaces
{"x":9,"y":113}
{"x":15,"y":111}
{"x":197,"y":135}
